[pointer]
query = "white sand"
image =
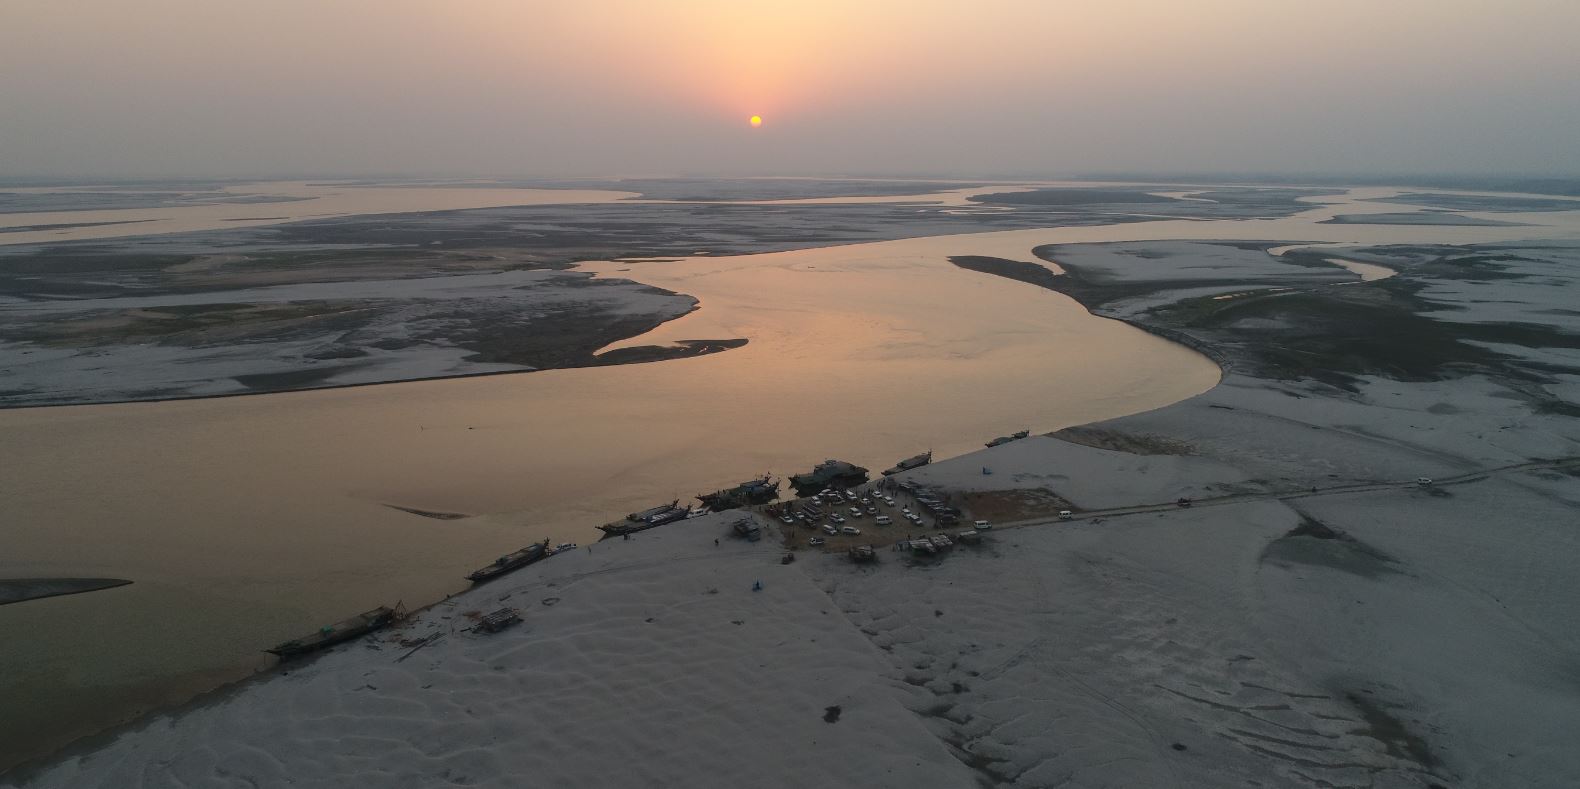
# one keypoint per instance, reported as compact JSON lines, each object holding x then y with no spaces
{"x":1073,"y":654}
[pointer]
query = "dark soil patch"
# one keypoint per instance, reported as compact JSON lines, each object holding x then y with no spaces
{"x":1021,"y":271}
{"x":1119,"y":441}
{"x":1012,"y":505}
{"x":17,"y":590}
{"x":1316,"y":544}
{"x":1071,"y":197}
{"x":442,"y":516}
{"x":1391,"y":732}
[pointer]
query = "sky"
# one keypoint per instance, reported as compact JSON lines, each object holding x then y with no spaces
{"x":1014,"y":88}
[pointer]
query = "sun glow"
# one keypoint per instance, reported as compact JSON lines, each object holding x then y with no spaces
{"x":756,"y":120}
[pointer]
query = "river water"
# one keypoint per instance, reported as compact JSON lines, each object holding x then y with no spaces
{"x":245,"y":521}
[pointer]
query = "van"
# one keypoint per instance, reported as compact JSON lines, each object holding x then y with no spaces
{"x":981,"y":525}
{"x":1065,"y":515}
{"x":882,"y":520}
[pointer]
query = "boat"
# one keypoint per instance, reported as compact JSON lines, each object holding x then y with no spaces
{"x":329,"y":635}
{"x":827,"y":473}
{"x":646,"y":519}
{"x":510,"y":561}
{"x":1015,"y":436}
{"x":753,"y":491}
{"x":909,"y":463}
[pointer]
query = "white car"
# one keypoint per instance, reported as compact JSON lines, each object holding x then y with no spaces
{"x":984,"y":525}
{"x":827,"y":529}
{"x":815,"y":541}
{"x":786,"y":519}
{"x":872,"y":510}
{"x":1065,"y":515}
{"x":882,"y":520}
{"x":855,"y":512}
{"x":837,"y":518}
{"x":850,"y":529}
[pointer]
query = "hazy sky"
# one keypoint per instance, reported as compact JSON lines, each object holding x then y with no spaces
{"x":1010,"y":87}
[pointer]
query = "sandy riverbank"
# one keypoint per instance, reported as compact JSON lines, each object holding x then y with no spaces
{"x":1381,"y":633}
{"x":887,"y":351}
{"x":310,"y":457}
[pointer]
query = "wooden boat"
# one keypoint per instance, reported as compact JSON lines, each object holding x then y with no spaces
{"x":509,"y":562}
{"x":753,"y":491}
{"x":909,"y":463}
{"x":1015,"y":436}
{"x":646,"y":519}
{"x":329,"y":635}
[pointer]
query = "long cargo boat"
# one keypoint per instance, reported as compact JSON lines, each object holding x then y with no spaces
{"x":909,"y":463}
{"x":345,"y":630}
{"x":510,"y":562}
{"x":1015,"y":436}
{"x":753,"y":491}
{"x":646,"y":519}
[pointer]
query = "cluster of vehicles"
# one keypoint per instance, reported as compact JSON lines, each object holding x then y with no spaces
{"x":839,"y":511}
{"x":833,"y":510}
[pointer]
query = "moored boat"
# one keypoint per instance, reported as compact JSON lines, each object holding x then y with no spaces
{"x":646,"y":519}
{"x":827,"y":473}
{"x":753,"y":491}
{"x":510,"y":561}
{"x":909,"y":463}
{"x":344,"y":630}
{"x":1015,"y":436}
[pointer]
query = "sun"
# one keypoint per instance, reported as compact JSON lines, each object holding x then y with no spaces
{"x":756,"y":120}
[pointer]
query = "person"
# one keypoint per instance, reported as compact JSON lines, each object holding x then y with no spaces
{"x":757,"y":586}
{"x":715,"y":542}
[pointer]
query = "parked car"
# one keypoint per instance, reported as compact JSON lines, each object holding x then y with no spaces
{"x":1065,"y":515}
{"x":850,"y":529}
{"x":827,"y":529}
{"x":882,"y":520}
{"x":816,"y":541}
{"x":981,"y":525}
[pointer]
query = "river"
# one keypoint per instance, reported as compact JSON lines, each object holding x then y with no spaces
{"x":245,"y":520}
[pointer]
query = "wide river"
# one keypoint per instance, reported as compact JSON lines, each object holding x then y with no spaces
{"x":245,"y":521}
